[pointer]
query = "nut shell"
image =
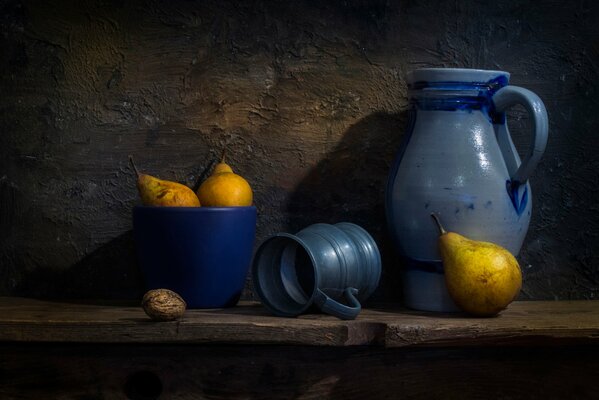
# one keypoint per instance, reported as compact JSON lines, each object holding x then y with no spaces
{"x":163,"y":305}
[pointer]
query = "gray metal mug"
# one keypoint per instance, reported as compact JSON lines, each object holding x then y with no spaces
{"x":320,"y":265}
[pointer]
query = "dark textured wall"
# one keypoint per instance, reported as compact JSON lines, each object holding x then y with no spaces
{"x":308,"y":96}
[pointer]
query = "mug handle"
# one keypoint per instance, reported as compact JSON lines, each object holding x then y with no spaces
{"x":503,"y":99}
{"x":332,"y":307}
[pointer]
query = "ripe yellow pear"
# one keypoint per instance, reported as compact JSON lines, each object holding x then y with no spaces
{"x":482,"y":278}
{"x":159,"y":192}
{"x":224,"y":188}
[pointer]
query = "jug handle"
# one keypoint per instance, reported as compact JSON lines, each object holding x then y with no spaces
{"x":332,"y":307}
{"x":505,"y":98}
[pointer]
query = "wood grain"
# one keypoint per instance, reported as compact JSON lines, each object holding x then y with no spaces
{"x":68,"y":350}
{"x":523,"y":323}
{"x":109,"y":371}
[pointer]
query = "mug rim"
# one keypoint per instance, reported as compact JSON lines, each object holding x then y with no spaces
{"x":256,"y":265}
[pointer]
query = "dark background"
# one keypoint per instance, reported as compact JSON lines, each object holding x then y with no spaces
{"x":308,"y":96}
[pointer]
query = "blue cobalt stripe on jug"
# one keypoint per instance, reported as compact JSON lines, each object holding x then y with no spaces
{"x":457,"y":159}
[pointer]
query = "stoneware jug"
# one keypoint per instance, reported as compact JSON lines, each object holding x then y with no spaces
{"x":333,"y":267}
{"x":457,"y":160}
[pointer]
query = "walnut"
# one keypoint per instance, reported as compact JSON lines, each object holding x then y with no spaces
{"x":163,"y":305}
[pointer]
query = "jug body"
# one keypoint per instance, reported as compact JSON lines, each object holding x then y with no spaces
{"x":457,"y":161}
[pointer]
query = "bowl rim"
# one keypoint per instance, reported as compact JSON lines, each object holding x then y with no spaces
{"x":193,"y":209}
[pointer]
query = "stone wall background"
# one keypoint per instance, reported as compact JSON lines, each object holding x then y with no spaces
{"x":308,"y":96}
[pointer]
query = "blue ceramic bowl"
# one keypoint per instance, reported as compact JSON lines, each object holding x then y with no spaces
{"x":202,"y":253}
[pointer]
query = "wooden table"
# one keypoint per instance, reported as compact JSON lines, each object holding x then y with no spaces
{"x":91,"y":351}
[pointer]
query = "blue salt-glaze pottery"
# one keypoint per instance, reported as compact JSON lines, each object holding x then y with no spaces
{"x":457,"y":160}
{"x":331,"y":267}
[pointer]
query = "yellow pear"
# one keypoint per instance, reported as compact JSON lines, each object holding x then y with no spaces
{"x":482,"y":278}
{"x":159,"y":192}
{"x":224,"y":188}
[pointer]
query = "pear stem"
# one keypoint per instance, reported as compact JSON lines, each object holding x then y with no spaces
{"x":442,"y":230}
{"x":133,"y":165}
{"x":223,"y":154}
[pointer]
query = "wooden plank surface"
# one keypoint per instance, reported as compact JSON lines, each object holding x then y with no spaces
{"x":182,"y":372}
{"x":527,"y":323}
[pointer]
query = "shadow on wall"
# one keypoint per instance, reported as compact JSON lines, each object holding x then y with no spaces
{"x":349,"y":185}
{"x":109,"y":272}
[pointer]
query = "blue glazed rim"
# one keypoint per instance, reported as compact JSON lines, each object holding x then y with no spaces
{"x":457,"y":89}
